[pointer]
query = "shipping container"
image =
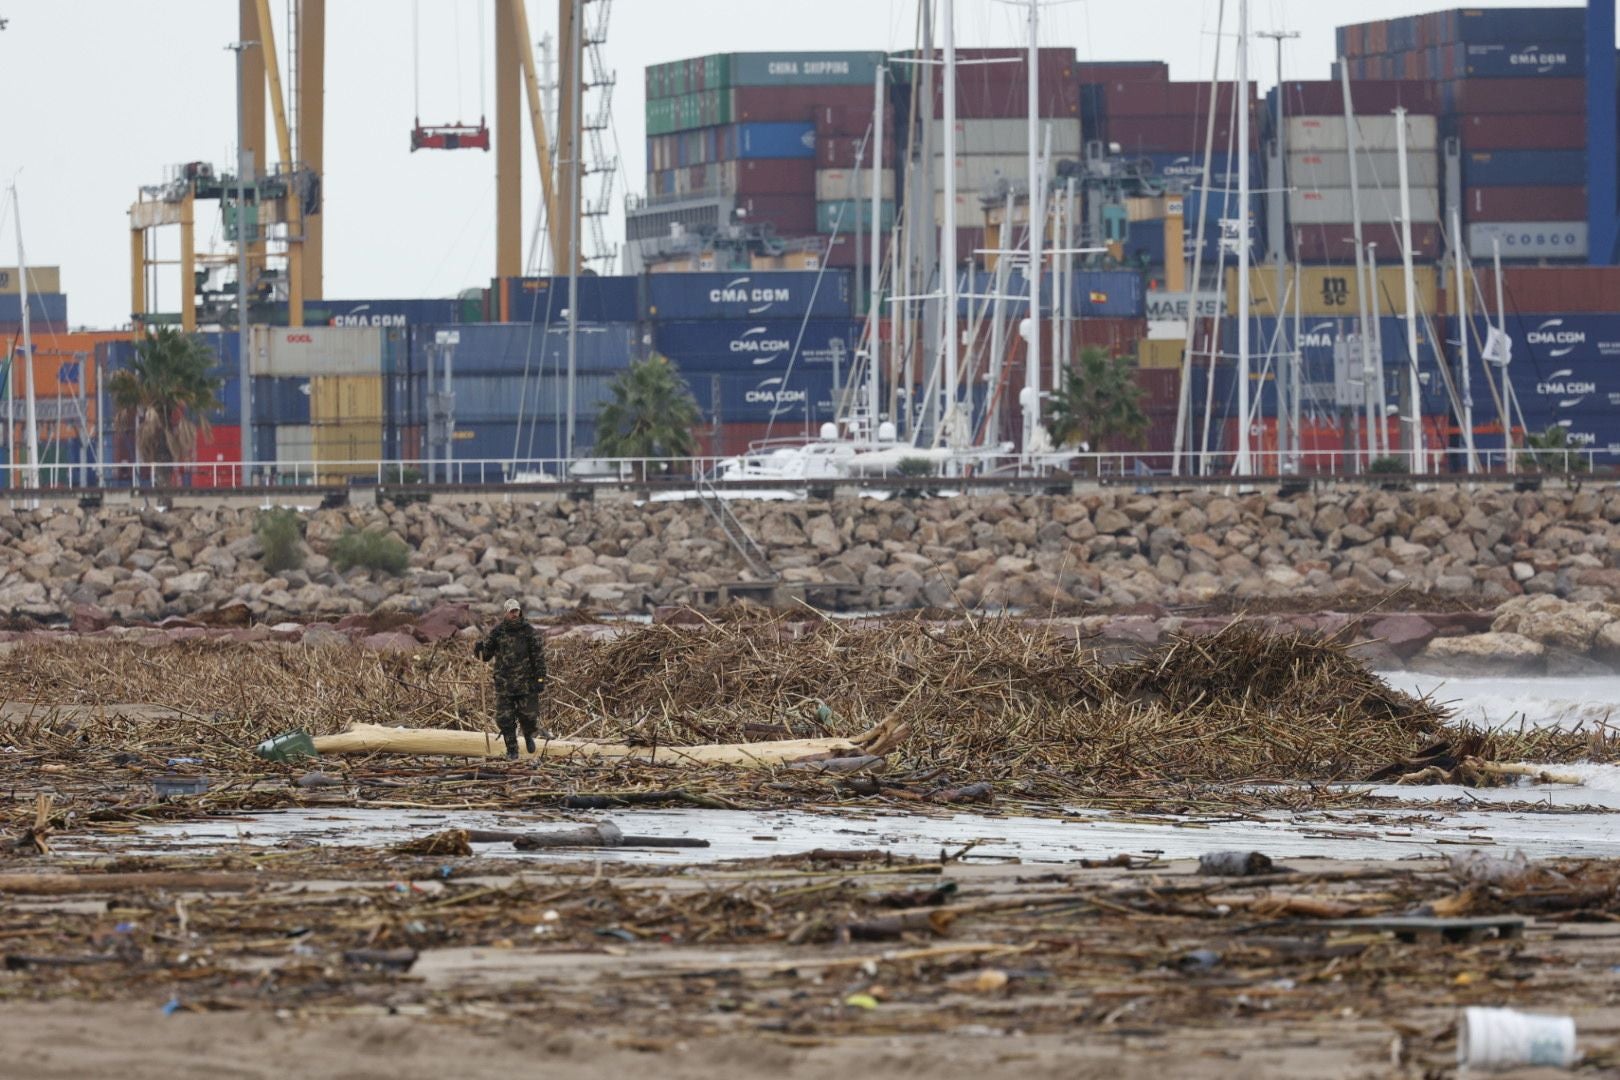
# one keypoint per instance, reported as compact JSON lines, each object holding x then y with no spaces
{"x":1005,"y":96}
{"x":219,"y":453}
{"x":1008,"y":137}
{"x":545,"y":299}
{"x":502,"y":443}
{"x":1574,"y":290}
{"x":1223,"y":168}
{"x":1531,"y":96}
{"x":1368,"y":96}
{"x":1552,"y":59}
{"x":987,"y":172}
{"x":748,"y":345}
{"x":798,"y":397}
{"x":1552,"y":131}
{"x":345,"y":399}
{"x":513,"y":348}
{"x":276,"y":400}
{"x":507,"y":398}
{"x":1105,"y":71}
{"x":286,"y":352}
{"x":1185,"y":100}
{"x":1331,"y":291}
{"x":1377,"y":169}
{"x":778,"y":140}
{"x":846,"y":151}
{"x":1161,"y":354}
{"x":855,"y":118}
{"x":1172,"y":134}
{"x":1524,"y":204}
{"x":292,"y":444}
{"x":45,"y":310}
{"x":1373,"y":133}
{"x":41,"y":279}
{"x":1095,"y":294}
{"x":843,"y":216}
{"x":1333,"y":242}
{"x":842,"y":184}
{"x":350,"y":448}
{"x":779,"y":294}
{"x":1485,"y":25}
{"x":793,"y":215}
{"x":805,"y":68}
{"x":65,"y":364}
{"x":1312,"y":206}
{"x":1524,"y":168}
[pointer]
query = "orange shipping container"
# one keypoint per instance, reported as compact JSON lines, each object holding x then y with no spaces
{"x":61,"y":362}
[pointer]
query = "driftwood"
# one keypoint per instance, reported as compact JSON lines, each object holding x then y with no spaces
{"x":64,"y":884}
{"x":373,"y":738}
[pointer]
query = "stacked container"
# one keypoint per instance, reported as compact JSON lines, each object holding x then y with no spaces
{"x":1320,"y":207}
{"x":65,"y":373}
{"x":757,"y":349}
{"x":1511,"y":84}
{"x":47,"y":304}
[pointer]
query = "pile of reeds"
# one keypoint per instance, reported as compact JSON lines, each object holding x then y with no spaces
{"x":995,"y":700}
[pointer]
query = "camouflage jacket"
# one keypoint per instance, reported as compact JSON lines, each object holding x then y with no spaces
{"x":517,"y":653}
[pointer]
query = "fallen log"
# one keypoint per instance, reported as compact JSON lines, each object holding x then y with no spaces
{"x":430,"y":742}
{"x":65,"y":884}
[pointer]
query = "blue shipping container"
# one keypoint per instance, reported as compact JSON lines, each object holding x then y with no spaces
{"x":1485,"y":25}
{"x":804,"y":397}
{"x":47,"y":311}
{"x":505,"y":398}
{"x":1189,"y":168}
{"x":279,"y":401}
{"x":1524,"y":168}
{"x":513,"y":348}
{"x":545,"y":299}
{"x":383,"y":313}
{"x":772,"y":294}
{"x":1318,"y":339}
{"x":1564,"y":367}
{"x":1533,"y":58}
{"x":773,"y":140}
{"x":507,"y":441}
{"x":1104,"y":294}
{"x":757,"y":344}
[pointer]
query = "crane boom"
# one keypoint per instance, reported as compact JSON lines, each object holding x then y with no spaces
{"x":537,"y":119}
{"x":295,"y":224}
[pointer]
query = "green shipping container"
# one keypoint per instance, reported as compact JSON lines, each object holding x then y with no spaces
{"x":708,"y":108}
{"x":805,"y":68}
{"x":840,"y":215}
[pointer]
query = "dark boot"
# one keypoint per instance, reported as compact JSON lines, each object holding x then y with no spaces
{"x":528,"y":743}
{"x":511,"y":745}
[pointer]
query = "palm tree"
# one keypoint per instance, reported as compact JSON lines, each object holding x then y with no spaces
{"x":1551,"y":451}
{"x":652,"y":414}
{"x":164,"y":397}
{"x":1098,"y":400}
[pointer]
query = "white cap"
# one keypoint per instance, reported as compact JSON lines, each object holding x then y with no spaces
{"x":512,"y":605}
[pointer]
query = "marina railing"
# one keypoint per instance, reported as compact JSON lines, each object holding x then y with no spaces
{"x":921,"y":475}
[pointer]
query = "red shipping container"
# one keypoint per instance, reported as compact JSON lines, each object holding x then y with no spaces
{"x":772,"y":104}
{"x":1104,"y":71}
{"x":1166,"y":99}
{"x":1498,"y":131}
{"x":1336,"y":243}
{"x":851,"y":120}
{"x":848,"y":151}
{"x":1172,"y":134}
{"x":844,"y":253}
{"x":1326,"y":98}
{"x":1525,"y":204}
{"x":1575,"y":290}
{"x":793,"y":215}
{"x":986,"y":100}
{"x":1052,"y":64}
{"x":1533,"y":96}
{"x":219,"y":450}
{"x":771,"y":176}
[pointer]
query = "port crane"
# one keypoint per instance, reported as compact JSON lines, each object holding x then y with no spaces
{"x":273,"y":209}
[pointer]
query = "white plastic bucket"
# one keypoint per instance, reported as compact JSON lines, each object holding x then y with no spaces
{"x":1507,"y":1038}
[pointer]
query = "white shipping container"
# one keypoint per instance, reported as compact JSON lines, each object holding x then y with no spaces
{"x":303,"y":351}
{"x":835,"y":184}
{"x":1528,"y":239}
{"x":1331,"y":169}
{"x":295,"y":444}
{"x":1010,"y":136}
{"x":1378,"y":207}
{"x":1373,"y":133}
{"x":970,"y":211}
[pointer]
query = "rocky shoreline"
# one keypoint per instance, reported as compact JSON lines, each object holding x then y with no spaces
{"x":1515,"y":582}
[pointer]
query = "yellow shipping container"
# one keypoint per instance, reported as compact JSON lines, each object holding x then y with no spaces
{"x":1160,"y":353}
{"x":765,"y":262}
{"x":335,"y":444}
{"x":1331,"y":292}
{"x":345,"y":399}
{"x":41,"y":279}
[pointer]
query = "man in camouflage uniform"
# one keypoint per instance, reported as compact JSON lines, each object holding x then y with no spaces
{"x":518,"y":656}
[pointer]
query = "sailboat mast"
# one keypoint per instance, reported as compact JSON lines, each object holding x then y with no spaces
{"x":1415,"y":418}
{"x":32,"y":427}
{"x":1036,"y":222}
{"x":1241,"y":466}
{"x":874,"y":308}
{"x":947,"y":236}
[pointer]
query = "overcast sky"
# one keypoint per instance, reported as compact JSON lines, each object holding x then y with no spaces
{"x":102,"y":95}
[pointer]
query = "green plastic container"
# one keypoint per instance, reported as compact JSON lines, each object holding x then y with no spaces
{"x":293,"y":746}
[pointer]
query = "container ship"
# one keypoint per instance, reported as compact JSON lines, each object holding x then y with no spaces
{"x":749,"y":265}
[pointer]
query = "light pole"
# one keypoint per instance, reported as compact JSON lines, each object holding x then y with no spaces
{"x":244,"y":166}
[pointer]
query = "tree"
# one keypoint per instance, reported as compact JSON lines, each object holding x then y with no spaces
{"x":1098,"y":400}
{"x":652,"y":413}
{"x":164,"y":397}
{"x":1551,"y":452}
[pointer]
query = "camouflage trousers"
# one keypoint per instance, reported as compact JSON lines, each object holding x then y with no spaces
{"x":515,"y":711}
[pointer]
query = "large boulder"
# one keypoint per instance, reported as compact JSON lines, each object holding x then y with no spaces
{"x":1482,"y":654}
{"x":1404,"y":635}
